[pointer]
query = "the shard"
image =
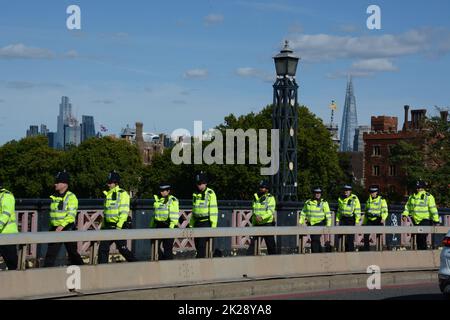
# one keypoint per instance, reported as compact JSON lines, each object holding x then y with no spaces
{"x":349,"y":120}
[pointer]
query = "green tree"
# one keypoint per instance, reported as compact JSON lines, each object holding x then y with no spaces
{"x":429,"y":160}
{"x":28,"y":167}
{"x":90,"y":163}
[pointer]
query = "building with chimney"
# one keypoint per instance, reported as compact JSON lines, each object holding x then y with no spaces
{"x":378,"y":142}
{"x":148,"y":144}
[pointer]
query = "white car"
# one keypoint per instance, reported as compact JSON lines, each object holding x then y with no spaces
{"x":444,"y":271}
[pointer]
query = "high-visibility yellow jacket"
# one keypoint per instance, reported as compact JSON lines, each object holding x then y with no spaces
{"x":421,"y":206}
{"x":63,"y":209}
{"x":116,"y":207}
{"x":8,"y":222}
{"x":375,"y":209}
{"x":204,"y":208}
{"x":349,"y":207}
{"x":315,"y":211}
{"x":264,"y":207}
{"x":166,"y":210}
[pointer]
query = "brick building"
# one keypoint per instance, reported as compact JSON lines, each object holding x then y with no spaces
{"x":385,"y":134}
{"x":148,"y":144}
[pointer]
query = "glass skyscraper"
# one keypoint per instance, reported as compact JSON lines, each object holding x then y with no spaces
{"x":87,"y":128}
{"x":349,"y":120}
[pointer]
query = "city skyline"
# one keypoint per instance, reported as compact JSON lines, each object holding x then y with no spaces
{"x":207,"y":59}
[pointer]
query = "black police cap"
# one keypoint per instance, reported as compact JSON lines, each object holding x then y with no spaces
{"x":113,"y":177}
{"x":164,"y":186}
{"x":421,"y":184}
{"x":264,"y":184}
{"x":374,"y":188}
{"x":317,"y":190}
{"x":62,"y":177}
{"x":201,"y":178}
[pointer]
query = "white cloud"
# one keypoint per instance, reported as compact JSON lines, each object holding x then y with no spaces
{"x":196,"y":74}
{"x":20,"y":51}
{"x":103,"y":101}
{"x":349,"y":28}
{"x":249,"y":72}
{"x":179,"y":101}
{"x":374,"y":65}
{"x":72,"y":54}
{"x":272,"y":6}
{"x":325,"y":47}
{"x":213,"y":19}
{"x":353,"y":73}
{"x":23,"y":85}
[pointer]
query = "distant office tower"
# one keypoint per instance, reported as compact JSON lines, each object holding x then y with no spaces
{"x":358,"y":145}
{"x":87,"y":128}
{"x":33,"y":131}
{"x":65,"y":114}
{"x":51,"y":139}
{"x":349,"y":120}
{"x":72,"y":133}
{"x":44,"y":130}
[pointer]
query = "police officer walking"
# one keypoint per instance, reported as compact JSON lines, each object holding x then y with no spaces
{"x":375,"y":213}
{"x":166,"y":216}
{"x":8,"y":225}
{"x":263,"y":216}
{"x":316,"y":212}
{"x":204,"y":211}
{"x":63,"y":212}
{"x":115,"y":216}
{"x":348,"y":214}
{"x":421,"y":207}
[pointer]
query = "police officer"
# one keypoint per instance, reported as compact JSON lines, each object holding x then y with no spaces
{"x":167,"y":213}
{"x":348,"y":214}
{"x":115,"y":216}
{"x":375,"y":213}
{"x":421,"y":206}
{"x":316,"y":212}
{"x":63,"y":212}
{"x":204,"y":211}
{"x":8,"y":225}
{"x":263,"y":216}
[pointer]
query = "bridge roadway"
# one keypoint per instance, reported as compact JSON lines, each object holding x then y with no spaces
{"x":241,"y":276}
{"x":418,"y":285}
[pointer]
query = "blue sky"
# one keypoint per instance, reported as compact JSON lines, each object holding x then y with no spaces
{"x":170,"y":63}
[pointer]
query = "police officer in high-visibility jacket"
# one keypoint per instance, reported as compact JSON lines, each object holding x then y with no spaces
{"x":263,"y":216}
{"x":316,"y":212}
{"x":421,"y":207}
{"x":375,"y":212}
{"x":167,"y":213}
{"x":348,"y":214}
{"x":8,"y":225}
{"x":204,"y":211}
{"x":115,"y":216}
{"x":63,"y":212}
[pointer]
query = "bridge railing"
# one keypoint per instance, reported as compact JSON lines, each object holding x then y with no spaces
{"x":33,"y":217}
{"x":27,"y":238}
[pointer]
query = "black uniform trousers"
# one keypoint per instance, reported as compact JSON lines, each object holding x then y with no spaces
{"x":349,"y":238}
{"x":200,"y":243}
{"x":103,"y":249}
{"x":376,"y":222}
{"x":421,"y":238}
{"x":71,"y":247}
{"x":316,"y":245}
{"x":167,"y":244}
{"x":9,"y":254}
{"x":269,"y":240}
